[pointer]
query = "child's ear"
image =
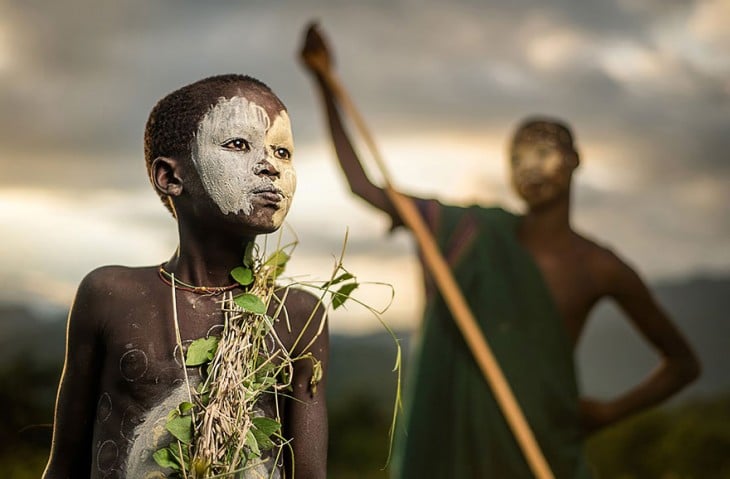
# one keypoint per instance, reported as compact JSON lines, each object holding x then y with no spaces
{"x":166,"y":177}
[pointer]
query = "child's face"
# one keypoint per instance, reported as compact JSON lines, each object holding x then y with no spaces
{"x":540,"y":171}
{"x":244,"y":159}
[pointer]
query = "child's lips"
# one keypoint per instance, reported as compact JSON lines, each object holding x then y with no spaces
{"x":269,"y":193}
{"x":271,"y":196}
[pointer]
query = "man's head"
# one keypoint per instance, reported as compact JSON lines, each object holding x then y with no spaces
{"x":224,"y":142}
{"x":543,"y":158}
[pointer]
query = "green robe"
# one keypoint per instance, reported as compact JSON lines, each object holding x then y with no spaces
{"x":454,"y":427}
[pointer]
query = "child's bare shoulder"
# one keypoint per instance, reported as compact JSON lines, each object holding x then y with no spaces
{"x":111,"y":281}
{"x":299,"y":299}
{"x":103,"y":289}
{"x":304,"y":316}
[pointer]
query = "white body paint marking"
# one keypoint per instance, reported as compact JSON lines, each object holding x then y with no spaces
{"x":104,"y":407}
{"x":151,"y":435}
{"x":539,"y":169}
{"x":230,"y":176}
{"x":133,"y":364}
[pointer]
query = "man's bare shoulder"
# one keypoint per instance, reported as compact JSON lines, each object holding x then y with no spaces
{"x":603,"y":262}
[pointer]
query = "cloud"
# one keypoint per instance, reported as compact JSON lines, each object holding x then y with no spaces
{"x":644,"y":85}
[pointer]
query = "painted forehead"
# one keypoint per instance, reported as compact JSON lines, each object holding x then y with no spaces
{"x":242,"y":115}
{"x":264,"y":98}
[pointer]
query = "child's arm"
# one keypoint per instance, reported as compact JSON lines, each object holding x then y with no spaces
{"x":316,"y":57}
{"x":679,"y":365}
{"x":305,"y":420}
{"x":76,"y":402}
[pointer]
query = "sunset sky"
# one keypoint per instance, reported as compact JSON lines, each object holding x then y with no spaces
{"x":645,"y":86}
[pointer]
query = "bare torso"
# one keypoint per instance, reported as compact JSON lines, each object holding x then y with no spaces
{"x":141,"y":377}
{"x":574,"y":272}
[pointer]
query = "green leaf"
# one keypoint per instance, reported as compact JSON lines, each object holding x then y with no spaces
{"x":263,"y":428}
{"x":266,"y":382}
{"x":250,"y":302}
{"x":266,"y":425}
{"x":243,"y":276}
{"x":185,"y":407}
{"x":201,"y":351}
{"x":263,"y":441}
{"x":248,"y":254}
{"x":203,"y":387}
{"x":181,"y":427}
{"x":277,"y":258}
{"x":343,"y":294}
{"x":338,"y":279}
{"x":164,"y":458}
{"x":252,"y":443}
{"x":265,"y":369}
{"x":278,"y":261}
{"x":317,"y":374}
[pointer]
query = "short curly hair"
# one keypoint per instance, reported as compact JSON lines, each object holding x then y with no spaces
{"x":174,"y":120}
{"x":545,"y":128}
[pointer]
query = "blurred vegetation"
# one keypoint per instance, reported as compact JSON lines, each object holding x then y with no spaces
{"x":358,"y":444}
{"x":26,"y":395}
{"x":688,"y":441}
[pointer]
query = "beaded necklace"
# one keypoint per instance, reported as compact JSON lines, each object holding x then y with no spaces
{"x":170,"y":280}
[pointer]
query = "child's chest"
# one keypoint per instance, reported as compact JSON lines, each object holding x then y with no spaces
{"x":142,"y":342}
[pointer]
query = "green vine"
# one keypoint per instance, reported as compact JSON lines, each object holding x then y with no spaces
{"x":221,"y":431}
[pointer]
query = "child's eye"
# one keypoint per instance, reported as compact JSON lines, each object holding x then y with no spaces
{"x":282,"y":153}
{"x":238,"y":144}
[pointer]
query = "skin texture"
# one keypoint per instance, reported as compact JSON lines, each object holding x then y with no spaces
{"x":234,"y":141}
{"x":540,"y":171}
{"x":578,"y":271}
{"x":121,"y":370}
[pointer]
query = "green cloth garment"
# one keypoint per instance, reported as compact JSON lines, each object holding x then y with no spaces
{"x":454,"y":427}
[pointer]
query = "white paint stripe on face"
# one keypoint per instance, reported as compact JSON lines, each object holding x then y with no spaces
{"x":228,"y":175}
{"x":280,"y":136}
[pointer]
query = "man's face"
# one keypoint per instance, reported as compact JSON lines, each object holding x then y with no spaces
{"x":244,"y":159}
{"x":540,"y":171}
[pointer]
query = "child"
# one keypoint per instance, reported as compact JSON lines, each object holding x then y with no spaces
{"x":219,"y":153}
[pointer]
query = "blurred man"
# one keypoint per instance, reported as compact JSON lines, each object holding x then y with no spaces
{"x":530,"y":281}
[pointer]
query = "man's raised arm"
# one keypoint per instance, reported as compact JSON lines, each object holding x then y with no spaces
{"x":317,"y":59}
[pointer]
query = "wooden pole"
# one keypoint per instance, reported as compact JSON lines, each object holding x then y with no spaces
{"x":451,"y":293}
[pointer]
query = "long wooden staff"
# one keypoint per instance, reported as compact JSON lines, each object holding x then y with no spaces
{"x":441,"y":274}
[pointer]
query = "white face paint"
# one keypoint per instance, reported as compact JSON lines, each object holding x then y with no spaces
{"x":540,"y":171}
{"x":235,"y":145}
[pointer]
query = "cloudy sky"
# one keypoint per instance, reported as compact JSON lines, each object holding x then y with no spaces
{"x":645,"y":85}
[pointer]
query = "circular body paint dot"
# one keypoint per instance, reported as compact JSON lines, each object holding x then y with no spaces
{"x":176,"y":351}
{"x":215,"y":330}
{"x":104,"y":407}
{"x":106,"y":456}
{"x":133,"y":364}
